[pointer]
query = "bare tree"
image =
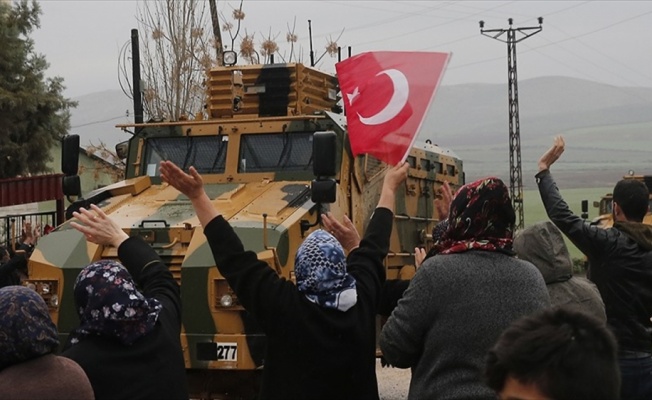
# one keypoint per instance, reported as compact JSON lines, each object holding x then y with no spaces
{"x":178,"y":49}
{"x":176,"y":53}
{"x":107,"y":162}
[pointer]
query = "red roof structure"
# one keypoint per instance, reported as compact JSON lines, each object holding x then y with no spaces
{"x":32,"y":189}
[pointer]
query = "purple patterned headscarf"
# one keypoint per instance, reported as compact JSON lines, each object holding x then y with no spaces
{"x":320,"y":269}
{"x":109,"y":304}
{"x":26,"y":329}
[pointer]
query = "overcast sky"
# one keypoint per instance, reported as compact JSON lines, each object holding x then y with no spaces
{"x":603,"y":41}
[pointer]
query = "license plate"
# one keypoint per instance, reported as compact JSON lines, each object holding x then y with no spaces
{"x":227,"y":351}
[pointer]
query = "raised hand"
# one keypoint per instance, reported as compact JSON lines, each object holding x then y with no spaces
{"x":393,"y":179}
{"x":549,"y":157}
{"x":191,"y":184}
{"x":419,"y":256}
{"x":395,"y":176}
{"x":344,"y":231}
{"x":443,"y":205}
{"x":98,"y":227}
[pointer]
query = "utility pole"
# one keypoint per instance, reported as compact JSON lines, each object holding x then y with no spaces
{"x":515,"y":169}
{"x":216,"y":31}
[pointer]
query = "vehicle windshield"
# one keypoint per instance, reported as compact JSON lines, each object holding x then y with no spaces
{"x":206,"y":153}
{"x":276,"y":152}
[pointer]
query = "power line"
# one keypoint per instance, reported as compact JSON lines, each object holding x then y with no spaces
{"x":515,"y":168}
{"x":553,"y":42}
{"x":97,"y":122}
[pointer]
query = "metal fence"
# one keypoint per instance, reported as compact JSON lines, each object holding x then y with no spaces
{"x":12,"y":227}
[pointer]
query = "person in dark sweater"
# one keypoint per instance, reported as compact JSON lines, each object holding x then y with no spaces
{"x":460,"y":300}
{"x":128,"y":342}
{"x":321,"y":332}
{"x":29,"y":367}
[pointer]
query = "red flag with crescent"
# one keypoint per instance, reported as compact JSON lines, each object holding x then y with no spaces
{"x":386,"y":95}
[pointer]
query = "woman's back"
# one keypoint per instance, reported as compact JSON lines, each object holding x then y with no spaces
{"x":46,"y":377}
{"x":147,"y":369}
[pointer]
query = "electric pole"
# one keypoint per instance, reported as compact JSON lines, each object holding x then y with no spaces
{"x":515,"y":169}
{"x":216,"y":31}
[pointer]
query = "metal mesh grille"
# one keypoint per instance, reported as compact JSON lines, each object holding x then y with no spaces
{"x":276,"y":152}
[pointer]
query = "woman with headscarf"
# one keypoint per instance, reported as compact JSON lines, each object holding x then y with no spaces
{"x":461,"y":299}
{"x":29,"y":368}
{"x":321,"y":340}
{"x":127,"y":341}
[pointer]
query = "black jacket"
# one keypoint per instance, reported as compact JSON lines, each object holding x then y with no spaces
{"x":312,"y":352}
{"x":153,"y":366}
{"x":9,"y":271}
{"x":620,"y":265}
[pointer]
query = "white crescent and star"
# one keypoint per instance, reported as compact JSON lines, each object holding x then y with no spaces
{"x":396,"y":103}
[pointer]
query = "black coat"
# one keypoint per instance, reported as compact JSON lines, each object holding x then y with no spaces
{"x":620,"y":267}
{"x":153,"y":366}
{"x":312,"y":352}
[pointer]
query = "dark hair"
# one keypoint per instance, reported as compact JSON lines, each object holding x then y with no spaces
{"x":565,"y":353}
{"x":632,"y":197}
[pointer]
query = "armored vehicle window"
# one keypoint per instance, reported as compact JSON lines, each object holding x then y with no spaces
{"x":206,"y":153}
{"x":276,"y":152}
{"x":439,"y":167}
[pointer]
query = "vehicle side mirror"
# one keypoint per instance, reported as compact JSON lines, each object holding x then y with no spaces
{"x":70,"y":155}
{"x":323,"y":190}
{"x":122,"y":150}
{"x":585,"y":209}
{"x":324,"y":145}
{"x":71,"y":185}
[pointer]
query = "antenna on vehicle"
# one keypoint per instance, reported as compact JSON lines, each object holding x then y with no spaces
{"x":138,"y":100}
{"x":312,"y":54}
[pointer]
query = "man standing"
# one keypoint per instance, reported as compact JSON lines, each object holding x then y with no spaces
{"x":620,"y":264}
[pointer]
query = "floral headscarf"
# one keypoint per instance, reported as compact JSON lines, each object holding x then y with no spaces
{"x":26,"y":329}
{"x":109,"y":304}
{"x":481,"y":217}
{"x":320,"y":269}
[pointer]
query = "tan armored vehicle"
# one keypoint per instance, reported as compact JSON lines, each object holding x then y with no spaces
{"x":605,"y":218}
{"x":274,"y":154}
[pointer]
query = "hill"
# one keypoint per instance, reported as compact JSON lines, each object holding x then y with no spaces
{"x":607,"y":128}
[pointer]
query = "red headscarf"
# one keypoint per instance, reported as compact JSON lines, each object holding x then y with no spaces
{"x":481,"y":217}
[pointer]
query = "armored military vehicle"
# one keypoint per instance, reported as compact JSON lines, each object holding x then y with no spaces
{"x":274,"y":153}
{"x":605,"y":218}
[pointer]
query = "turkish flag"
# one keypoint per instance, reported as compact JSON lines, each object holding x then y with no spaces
{"x":386,"y":95}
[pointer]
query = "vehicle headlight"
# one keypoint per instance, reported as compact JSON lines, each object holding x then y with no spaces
{"x":226,"y":300}
{"x":47,"y":289}
{"x":229,"y":57}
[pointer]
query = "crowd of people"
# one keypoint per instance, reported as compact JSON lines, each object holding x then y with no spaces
{"x":13,"y":260}
{"x":490,"y":313}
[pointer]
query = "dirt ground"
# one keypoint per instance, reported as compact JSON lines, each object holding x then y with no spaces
{"x":393,"y":383}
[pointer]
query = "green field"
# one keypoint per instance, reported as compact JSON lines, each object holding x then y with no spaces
{"x":534,"y":212}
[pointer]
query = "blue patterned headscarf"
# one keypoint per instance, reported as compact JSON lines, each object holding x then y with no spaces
{"x":26,"y":329}
{"x":109,"y":304}
{"x":320,"y":269}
